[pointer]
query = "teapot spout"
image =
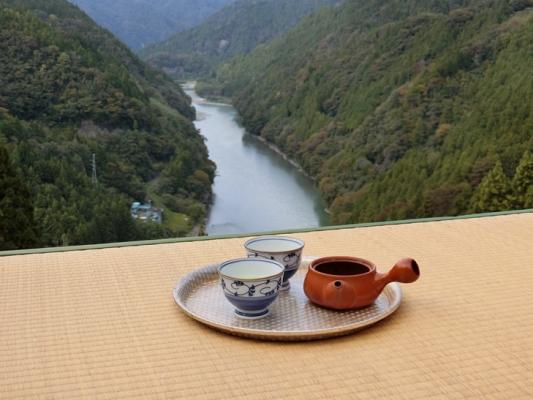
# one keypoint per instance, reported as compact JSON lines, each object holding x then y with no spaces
{"x":340,"y":295}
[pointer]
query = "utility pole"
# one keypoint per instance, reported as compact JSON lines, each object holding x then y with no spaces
{"x":94,"y":178}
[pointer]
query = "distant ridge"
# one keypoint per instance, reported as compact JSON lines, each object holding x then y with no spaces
{"x":139,"y":23}
{"x":236,"y":29}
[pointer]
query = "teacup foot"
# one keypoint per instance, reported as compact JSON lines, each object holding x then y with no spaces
{"x":250,"y":315}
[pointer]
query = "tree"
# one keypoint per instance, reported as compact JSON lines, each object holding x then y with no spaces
{"x":494,"y":192}
{"x":111,"y":222}
{"x":523,"y":182}
{"x":17,"y":227}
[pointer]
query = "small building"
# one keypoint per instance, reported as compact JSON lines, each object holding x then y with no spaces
{"x":146,"y":212}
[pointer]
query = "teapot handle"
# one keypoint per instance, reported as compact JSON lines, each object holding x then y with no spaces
{"x":405,"y":270}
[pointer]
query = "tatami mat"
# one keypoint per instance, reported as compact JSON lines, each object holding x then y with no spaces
{"x":103,"y":324}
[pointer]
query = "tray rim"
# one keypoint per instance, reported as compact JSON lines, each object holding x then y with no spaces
{"x":292,"y":335}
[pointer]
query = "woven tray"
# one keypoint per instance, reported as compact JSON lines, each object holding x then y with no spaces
{"x":292,"y":316}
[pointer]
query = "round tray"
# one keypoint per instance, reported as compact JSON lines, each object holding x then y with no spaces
{"x":292,"y":316}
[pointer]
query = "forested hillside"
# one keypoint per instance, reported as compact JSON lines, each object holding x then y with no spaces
{"x":399,"y":109}
{"x":236,"y":29}
{"x":139,"y":23}
{"x":68,"y":90}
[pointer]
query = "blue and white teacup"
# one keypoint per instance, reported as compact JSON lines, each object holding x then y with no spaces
{"x":285,"y":250}
{"x":251,"y":285}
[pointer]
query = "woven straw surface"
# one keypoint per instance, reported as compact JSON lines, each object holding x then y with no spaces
{"x":103,"y":324}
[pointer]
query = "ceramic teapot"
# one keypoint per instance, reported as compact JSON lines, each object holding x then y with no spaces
{"x":346,"y":283}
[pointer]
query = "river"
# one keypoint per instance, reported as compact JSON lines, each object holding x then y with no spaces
{"x":256,"y":189}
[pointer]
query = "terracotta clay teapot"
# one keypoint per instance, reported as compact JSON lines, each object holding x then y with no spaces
{"x":346,"y":283}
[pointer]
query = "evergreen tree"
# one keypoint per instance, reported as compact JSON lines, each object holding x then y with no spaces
{"x":523,"y":182}
{"x":111,"y":222}
{"x":494,"y":192}
{"x":17,"y":228}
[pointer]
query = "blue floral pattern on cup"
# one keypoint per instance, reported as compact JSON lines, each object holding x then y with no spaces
{"x":247,"y":289}
{"x":289,"y":259}
{"x":251,"y":285}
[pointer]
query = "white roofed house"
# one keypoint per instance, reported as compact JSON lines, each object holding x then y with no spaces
{"x":146,"y":212}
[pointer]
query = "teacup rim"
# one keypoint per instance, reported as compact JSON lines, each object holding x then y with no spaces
{"x":242,"y":259}
{"x":300,"y":242}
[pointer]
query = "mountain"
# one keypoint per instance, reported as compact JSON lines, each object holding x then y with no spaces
{"x":68,"y":90}
{"x":236,"y":29}
{"x":398,"y":109}
{"x":139,"y":23}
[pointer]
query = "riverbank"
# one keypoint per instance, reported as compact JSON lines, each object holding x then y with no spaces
{"x":226,"y":101}
{"x":257,"y":187}
{"x":204,"y":97}
{"x":277,"y":150}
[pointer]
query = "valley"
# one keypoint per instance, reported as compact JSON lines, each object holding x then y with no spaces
{"x":373,"y":110}
{"x":255,"y":189}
